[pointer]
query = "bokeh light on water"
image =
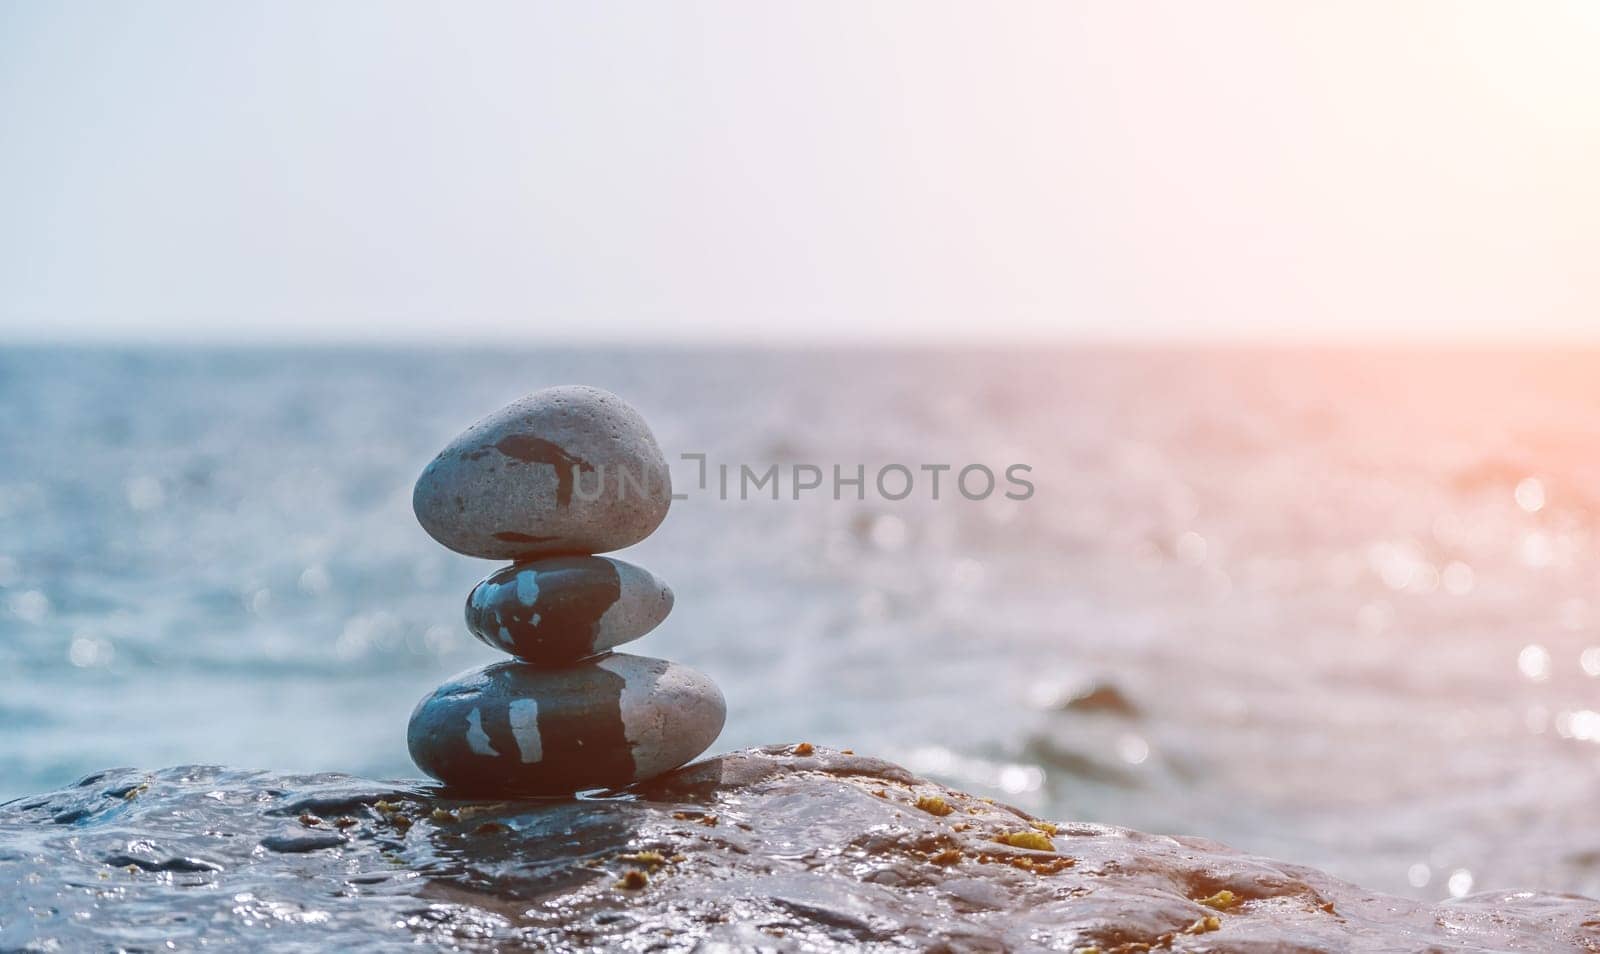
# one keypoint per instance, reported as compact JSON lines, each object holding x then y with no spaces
{"x":1335,"y":607}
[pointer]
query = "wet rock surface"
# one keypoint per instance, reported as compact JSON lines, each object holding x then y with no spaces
{"x":776,"y":849}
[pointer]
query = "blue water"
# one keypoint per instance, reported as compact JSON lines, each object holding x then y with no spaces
{"x":1348,"y":598}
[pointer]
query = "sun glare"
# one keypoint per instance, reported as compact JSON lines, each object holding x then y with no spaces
{"x":1543,"y":64}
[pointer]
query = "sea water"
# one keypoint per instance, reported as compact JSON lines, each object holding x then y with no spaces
{"x":1340,"y":608}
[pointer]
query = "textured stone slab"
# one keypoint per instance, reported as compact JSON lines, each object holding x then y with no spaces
{"x":774,"y":849}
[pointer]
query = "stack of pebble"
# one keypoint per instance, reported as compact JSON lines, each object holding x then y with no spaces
{"x":547,"y":482}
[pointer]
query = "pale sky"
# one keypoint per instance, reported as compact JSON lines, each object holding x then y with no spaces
{"x":742,"y":171}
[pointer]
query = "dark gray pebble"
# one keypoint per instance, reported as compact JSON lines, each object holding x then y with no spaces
{"x":512,"y":728}
{"x":561,"y":609}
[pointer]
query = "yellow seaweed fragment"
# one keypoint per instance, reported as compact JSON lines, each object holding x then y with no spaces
{"x":934,"y":805}
{"x":472,"y":811}
{"x":652,"y":858}
{"x":1221,"y":901}
{"x":1027,"y":838}
{"x":1038,"y":866}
